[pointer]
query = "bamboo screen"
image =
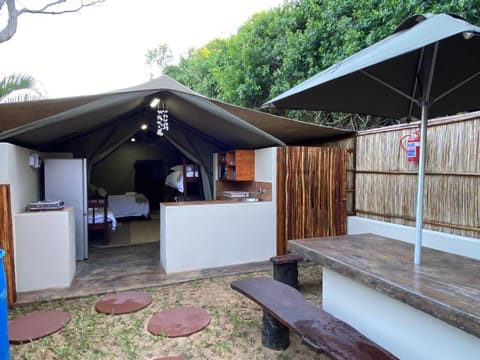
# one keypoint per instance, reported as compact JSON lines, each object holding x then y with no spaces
{"x":386,"y":183}
{"x":312,"y":193}
{"x":349,"y":145}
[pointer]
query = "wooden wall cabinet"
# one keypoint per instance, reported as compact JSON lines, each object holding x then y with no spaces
{"x":236,"y":165}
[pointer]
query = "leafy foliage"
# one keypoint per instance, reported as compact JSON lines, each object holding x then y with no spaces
{"x":20,"y":87}
{"x":157,"y":58}
{"x":277,"y":49}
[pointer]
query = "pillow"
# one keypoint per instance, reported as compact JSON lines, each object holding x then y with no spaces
{"x":102,"y":192}
{"x":177,"y":168}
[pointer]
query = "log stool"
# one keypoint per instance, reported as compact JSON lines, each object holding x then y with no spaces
{"x":285,"y":268}
{"x":275,"y":335}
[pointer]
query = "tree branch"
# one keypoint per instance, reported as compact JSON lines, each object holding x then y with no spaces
{"x":45,"y":10}
{"x":13,"y":14}
{"x":11,"y":27}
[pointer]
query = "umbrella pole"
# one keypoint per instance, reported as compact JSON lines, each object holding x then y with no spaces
{"x":421,"y":178}
{"x":423,"y":148}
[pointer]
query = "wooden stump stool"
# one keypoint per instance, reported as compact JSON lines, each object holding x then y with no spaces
{"x":275,"y":335}
{"x":285,"y":268}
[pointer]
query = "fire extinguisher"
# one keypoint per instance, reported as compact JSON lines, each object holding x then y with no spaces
{"x":413,"y":145}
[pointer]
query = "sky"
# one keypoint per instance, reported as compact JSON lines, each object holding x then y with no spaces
{"x":103,"y":48}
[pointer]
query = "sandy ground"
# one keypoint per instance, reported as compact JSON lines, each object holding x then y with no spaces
{"x":234,"y":331}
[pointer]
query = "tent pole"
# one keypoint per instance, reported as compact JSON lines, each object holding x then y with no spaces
{"x":421,"y":177}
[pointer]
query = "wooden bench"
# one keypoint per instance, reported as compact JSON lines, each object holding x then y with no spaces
{"x":318,"y":329}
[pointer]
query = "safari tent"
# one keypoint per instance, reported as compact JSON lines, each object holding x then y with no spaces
{"x":94,"y":126}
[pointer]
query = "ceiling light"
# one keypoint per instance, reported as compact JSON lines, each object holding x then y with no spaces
{"x":133,"y":139}
{"x":154,"y":102}
{"x":144,"y":127}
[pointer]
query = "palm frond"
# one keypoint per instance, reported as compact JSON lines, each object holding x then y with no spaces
{"x":20,"y":96}
{"x":20,"y":87}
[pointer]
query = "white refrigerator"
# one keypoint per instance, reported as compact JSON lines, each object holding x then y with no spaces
{"x":66,"y":180}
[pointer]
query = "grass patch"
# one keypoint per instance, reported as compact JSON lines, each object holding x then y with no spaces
{"x":234,"y":331}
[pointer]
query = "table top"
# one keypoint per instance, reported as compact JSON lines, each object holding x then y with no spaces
{"x":444,"y":285}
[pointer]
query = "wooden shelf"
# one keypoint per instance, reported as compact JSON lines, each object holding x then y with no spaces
{"x":236,"y":165}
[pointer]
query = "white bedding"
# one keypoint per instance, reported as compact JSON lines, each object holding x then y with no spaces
{"x":130,"y":204}
{"x":99,"y":217}
{"x":175,"y":178}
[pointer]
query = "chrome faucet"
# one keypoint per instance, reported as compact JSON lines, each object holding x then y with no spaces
{"x":261,"y":191}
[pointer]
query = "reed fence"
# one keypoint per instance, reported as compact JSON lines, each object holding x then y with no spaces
{"x":386,"y":183}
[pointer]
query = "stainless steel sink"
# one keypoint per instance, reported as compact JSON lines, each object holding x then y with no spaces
{"x":249,"y":199}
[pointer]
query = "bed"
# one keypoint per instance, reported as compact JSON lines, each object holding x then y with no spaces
{"x":99,"y":217}
{"x":130,"y":204}
{"x":96,"y":217}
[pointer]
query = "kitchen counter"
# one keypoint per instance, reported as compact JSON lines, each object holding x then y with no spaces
{"x":214,"y":202}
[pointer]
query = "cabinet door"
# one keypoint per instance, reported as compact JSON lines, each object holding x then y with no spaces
{"x":236,"y":165}
{"x":244,"y":165}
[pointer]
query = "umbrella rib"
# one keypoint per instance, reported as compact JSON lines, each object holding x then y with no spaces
{"x":417,"y":81}
{"x":426,"y":96}
{"x":456,"y":87}
{"x":390,"y":87}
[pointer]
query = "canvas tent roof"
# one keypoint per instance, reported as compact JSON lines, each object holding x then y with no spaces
{"x":37,"y":124}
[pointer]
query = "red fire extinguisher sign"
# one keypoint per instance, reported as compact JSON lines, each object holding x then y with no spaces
{"x":413,"y":145}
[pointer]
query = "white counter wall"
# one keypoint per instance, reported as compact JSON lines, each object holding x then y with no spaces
{"x":401,"y":329}
{"x":46,"y":245}
{"x":25,"y":187}
{"x":24,"y":184}
{"x":209,"y":235}
{"x":195,"y":237}
{"x":455,"y":244}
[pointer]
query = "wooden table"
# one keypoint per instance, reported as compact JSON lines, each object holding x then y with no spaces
{"x":445,"y":286}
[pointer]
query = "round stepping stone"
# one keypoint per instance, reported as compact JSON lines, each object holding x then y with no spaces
{"x":36,"y":325}
{"x":180,"y":321}
{"x":123,"y":302}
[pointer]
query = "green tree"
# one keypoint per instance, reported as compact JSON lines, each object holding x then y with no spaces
{"x":277,"y":49}
{"x":157,"y":58}
{"x":20,"y":87}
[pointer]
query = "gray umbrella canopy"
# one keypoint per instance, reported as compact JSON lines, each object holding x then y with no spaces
{"x":429,"y":66}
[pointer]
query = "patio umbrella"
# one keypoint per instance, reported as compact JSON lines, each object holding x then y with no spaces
{"x":429,"y":66}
